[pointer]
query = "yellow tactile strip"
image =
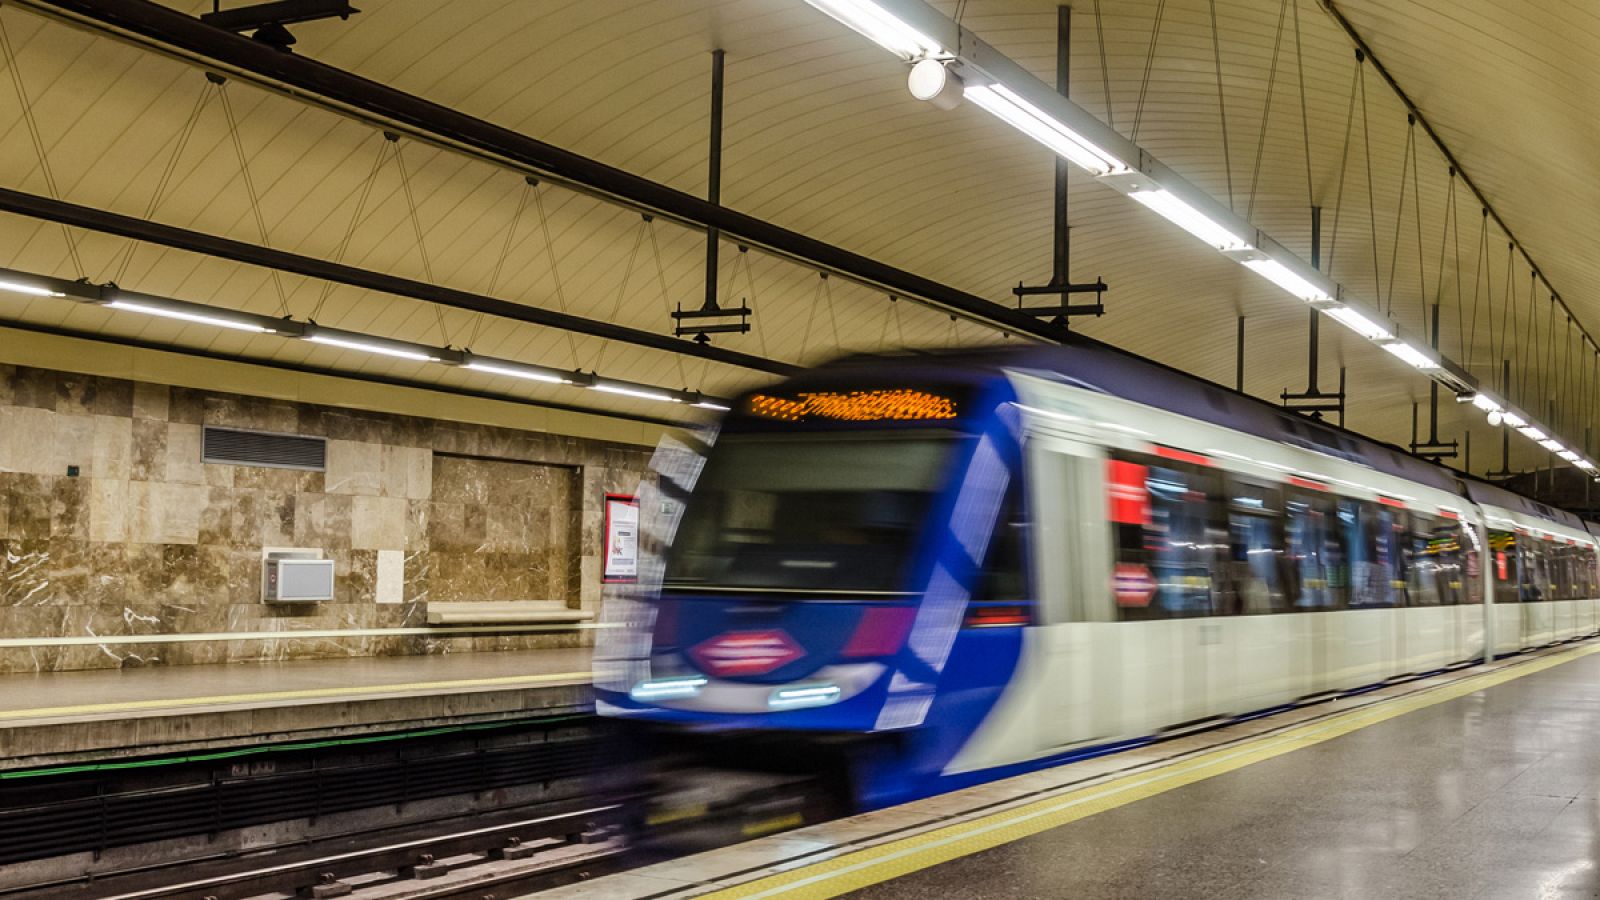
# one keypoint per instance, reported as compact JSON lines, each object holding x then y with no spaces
{"x":872,"y":865}
{"x":266,"y":698}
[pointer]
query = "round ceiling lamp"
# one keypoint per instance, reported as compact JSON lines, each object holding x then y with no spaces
{"x":932,"y":80}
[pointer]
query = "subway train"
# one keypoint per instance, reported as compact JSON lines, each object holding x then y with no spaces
{"x":926,"y":571}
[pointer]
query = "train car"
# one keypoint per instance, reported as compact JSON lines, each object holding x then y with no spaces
{"x":935,"y":570}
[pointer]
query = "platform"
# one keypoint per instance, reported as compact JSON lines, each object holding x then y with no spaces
{"x":1479,"y":783}
{"x":71,"y":717}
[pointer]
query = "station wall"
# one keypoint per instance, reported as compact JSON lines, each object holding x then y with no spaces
{"x":147,"y":540}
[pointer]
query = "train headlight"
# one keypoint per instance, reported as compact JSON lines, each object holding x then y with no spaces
{"x":803,"y":695}
{"x":668,"y":688}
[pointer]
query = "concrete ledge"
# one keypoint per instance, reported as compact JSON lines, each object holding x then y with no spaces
{"x":541,"y":612}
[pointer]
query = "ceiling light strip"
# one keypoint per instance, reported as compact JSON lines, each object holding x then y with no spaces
{"x":110,"y":297}
{"x":999,"y":86}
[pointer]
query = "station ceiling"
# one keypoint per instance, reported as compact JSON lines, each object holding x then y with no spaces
{"x":823,"y":138}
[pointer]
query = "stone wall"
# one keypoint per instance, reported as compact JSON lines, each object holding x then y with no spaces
{"x":139,"y":537}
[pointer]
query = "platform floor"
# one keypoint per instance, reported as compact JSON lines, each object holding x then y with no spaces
{"x":1478,"y":783}
{"x":1495,"y":794}
{"x":68,"y":716}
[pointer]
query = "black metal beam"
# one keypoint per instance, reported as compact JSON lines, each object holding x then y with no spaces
{"x":224,"y":248}
{"x":187,"y":38}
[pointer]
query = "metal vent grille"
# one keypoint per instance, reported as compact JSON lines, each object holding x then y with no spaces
{"x":231,"y":446}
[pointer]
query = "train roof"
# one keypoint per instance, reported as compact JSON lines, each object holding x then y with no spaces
{"x":1087,"y":363}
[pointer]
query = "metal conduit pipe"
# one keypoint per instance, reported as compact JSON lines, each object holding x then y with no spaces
{"x":106,"y":222}
{"x":183,"y":37}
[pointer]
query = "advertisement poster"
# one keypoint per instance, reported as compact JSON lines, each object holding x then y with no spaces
{"x":622,"y":538}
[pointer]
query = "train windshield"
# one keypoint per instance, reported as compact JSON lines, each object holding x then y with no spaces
{"x":812,"y":512}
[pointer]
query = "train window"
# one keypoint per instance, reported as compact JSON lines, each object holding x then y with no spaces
{"x":1005,"y":571}
{"x":1318,"y":554}
{"x":1471,"y":564}
{"x":1390,"y":555}
{"x":1435,"y":561}
{"x":1535,"y":584}
{"x":1371,"y":563}
{"x":1503,"y":566}
{"x":1256,"y":580}
{"x":812,"y":512}
{"x":1165,"y":548}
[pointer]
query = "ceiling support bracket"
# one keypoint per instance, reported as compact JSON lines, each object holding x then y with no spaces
{"x":1061,"y":284}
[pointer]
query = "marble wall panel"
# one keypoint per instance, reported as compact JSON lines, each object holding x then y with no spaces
{"x":151,"y":401}
{"x":183,"y":455}
{"x":27,"y":440}
{"x":108,"y":510}
{"x":149,"y":540}
{"x":93,"y":394}
{"x":148,"y":461}
{"x":35,"y":388}
{"x":354,"y":467}
{"x":112,"y":453}
{"x":378,"y":523}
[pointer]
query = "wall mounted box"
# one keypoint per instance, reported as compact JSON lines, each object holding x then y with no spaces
{"x":296,"y":580}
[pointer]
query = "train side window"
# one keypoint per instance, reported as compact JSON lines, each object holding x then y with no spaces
{"x":1317,"y":554}
{"x":1257,"y":565}
{"x":1370,"y":569}
{"x":1428,"y":563}
{"x":1163,"y":540}
{"x":1005,"y":571}
{"x":1503,"y":566}
{"x":1471,"y":563}
{"x":1390,"y":556}
{"x":1535,"y":585}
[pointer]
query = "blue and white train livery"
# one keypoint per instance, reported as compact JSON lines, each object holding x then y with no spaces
{"x":940,"y":569}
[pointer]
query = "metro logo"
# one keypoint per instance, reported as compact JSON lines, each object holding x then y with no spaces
{"x":746,"y":653}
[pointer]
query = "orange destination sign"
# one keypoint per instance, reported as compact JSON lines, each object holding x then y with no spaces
{"x":901,"y":404}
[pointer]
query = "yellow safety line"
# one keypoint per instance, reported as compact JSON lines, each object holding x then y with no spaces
{"x":304,"y":694}
{"x":872,"y":865}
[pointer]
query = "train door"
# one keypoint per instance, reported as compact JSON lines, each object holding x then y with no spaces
{"x":1072,"y":700}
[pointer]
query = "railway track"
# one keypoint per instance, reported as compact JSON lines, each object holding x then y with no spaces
{"x":481,"y":862}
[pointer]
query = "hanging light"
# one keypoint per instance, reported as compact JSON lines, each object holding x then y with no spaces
{"x":881,"y":27}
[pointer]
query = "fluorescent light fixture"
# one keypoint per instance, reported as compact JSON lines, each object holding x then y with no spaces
{"x":1584,"y":464}
{"x":804,"y":695}
{"x":1167,"y":205}
{"x":368,"y":346}
{"x":881,"y":27}
{"x":32,"y":290}
{"x":1358,"y":322}
{"x":166,"y":312}
{"x":1512,"y":419}
{"x":528,"y":373}
{"x":643,"y":393}
{"x":668,"y":688}
{"x":1532,"y":433}
{"x":1553,"y":445}
{"x":1411,"y":356}
{"x":1286,"y":278}
{"x":1485,"y":402}
{"x":1568,"y":455}
{"x":708,"y":404}
{"x":1004,"y":104}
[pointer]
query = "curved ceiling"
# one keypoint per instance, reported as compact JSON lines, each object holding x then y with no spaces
{"x":822,"y":138}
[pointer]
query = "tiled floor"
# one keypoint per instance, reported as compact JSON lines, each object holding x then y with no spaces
{"x":1496,"y":794}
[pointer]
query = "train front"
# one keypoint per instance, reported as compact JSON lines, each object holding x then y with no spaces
{"x":844,"y":594}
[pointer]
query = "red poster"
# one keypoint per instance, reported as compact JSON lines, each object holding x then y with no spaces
{"x":1130,"y":501}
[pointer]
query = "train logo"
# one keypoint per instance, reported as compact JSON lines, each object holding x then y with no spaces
{"x":746,"y":653}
